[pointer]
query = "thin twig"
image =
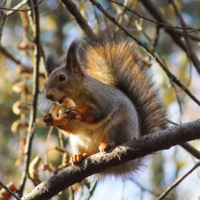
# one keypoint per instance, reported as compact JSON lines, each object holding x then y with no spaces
{"x":190,"y":75}
{"x":23,"y":68}
{"x":122,"y":11}
{"x":71,"y":193}
{"x":9,"y":13}
{"x":2,"y":18}
{"x":35,"y":92}
{"x":191,"y":150}
{"x":143,"y":188}
{"x":171,"y":187}
{"x":169,"y":74}
{"x":79,"y":193}
{"x":175,"y":34}
{"x":195,"y":38}
{"x":171,"y":122}
{"x":61,"y":140}
{"x":156,"y":36}
{"x":23,"y":10}
{"x":96,"y":16}
{"x":47,"y":143}
{"x":189,"y":49}
{"x":92,"y":188}
{"x":153,"y":21}
{"x":8,"y":190}
{"x":11,"y":57}
{"x":177,"y":97}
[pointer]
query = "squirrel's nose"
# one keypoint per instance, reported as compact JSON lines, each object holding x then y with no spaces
{"x":49,"y":96}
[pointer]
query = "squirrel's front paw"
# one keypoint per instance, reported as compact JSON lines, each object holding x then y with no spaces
{"x":76,"y":158}
{"x":47,"y":118}
{"x":104,"y":146}
{"x":73,"y":113}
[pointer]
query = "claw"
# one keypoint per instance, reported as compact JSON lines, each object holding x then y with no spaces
{"x":72,"y":113}
{"x":77,"y":158}
{"x":104,"y":146}
{"x":47,"y":118}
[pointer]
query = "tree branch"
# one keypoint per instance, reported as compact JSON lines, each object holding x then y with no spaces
{"x":23,"y":68}
{"x":92,"y":188}
{"x":171,"y":187}
{"x":189,"y":148}
{"x":21,"y":10}
{"x":100,"y":162}
{"x":30,"y":136}
{"x":9,"y":191}
{"x":139,"y":185}
{"x":153,"y":21}
{"x":10,"y":12}
{"x":189,"y":49}
{"x":155,"y":12}
{"x":2,"y":17}
{"x":77,"y":15}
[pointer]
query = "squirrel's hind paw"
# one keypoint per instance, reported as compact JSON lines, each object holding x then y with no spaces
{"x":76,"y":158}
{"x":104,"y":146}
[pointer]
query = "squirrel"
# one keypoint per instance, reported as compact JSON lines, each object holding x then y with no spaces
{"x":115,"y":97}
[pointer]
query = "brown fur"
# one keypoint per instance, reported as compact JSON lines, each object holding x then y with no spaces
{"x":115,"y":61}
{"x":116,"y":100}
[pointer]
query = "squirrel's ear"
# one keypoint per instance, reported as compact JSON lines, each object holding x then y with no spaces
{"x":73,"y":64}
{"x":52,"y":62}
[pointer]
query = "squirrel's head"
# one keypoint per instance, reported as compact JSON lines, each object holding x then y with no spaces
{"x":65,"y":80}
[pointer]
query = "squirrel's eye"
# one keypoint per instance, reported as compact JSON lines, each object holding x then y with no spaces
{"x":62,"y":77}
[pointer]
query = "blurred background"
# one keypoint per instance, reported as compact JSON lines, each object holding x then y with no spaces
{"x":58,"y":29}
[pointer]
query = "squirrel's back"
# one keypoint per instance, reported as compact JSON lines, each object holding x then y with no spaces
{"x":115,"y":61}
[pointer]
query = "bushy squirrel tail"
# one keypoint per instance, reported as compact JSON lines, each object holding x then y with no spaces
{"x":115,"y":61}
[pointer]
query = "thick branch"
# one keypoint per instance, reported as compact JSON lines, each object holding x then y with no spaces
{"x":100,"y":162}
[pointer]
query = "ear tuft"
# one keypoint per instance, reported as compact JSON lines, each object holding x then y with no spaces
{"x":52,"y":62}
{"x":72,"y":61}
